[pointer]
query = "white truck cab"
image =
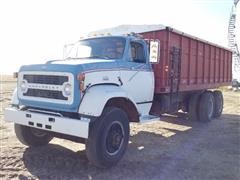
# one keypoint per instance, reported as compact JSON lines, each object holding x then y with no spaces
{"x":101,"y":85}
{"x":106,"y":82}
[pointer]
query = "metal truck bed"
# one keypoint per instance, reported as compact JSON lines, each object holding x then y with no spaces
{"x":188,"y":63}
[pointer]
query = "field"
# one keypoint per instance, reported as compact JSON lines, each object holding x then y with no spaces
{"x":173,"y":148}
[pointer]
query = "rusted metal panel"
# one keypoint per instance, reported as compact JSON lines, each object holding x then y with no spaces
{"x":203,"y":65}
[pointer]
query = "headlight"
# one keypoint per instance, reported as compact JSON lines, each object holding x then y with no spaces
{"x":23,"y":86}
{"x":67,"y":89}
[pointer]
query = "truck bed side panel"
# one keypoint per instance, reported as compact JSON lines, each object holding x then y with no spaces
{"x":203,"y":65}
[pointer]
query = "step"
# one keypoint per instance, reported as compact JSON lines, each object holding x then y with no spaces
{"x":148,"y":118}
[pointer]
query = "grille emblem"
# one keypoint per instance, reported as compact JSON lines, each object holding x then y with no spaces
{"x":43,"y":87}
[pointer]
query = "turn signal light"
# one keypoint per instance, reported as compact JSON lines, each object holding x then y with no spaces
{"x":81,"y":78}
{"x":81,"y":87}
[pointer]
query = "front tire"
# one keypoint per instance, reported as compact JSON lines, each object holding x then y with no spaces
{"x":31,"y":136}
{"x":108,"y":138}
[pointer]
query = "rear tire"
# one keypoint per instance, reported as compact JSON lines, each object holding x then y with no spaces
{"x":108,"y":138}
{"x":193,"y":107}
{"x":206,"y":107}
{"x":218,"y":103}
{"x":31,"y":136}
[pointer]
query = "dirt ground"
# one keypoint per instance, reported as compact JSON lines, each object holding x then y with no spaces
{"x":173,"y":148}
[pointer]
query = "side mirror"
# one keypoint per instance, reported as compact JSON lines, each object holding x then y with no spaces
{"x":154,"y":52}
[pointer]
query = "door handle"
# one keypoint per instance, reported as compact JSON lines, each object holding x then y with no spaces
{"x":119,"y":79}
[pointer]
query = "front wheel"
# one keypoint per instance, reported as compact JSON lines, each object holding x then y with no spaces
{"x":108,"y":137}
{"x":31,"y":136}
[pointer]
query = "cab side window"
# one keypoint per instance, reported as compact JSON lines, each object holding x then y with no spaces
{"x":137,"y":52}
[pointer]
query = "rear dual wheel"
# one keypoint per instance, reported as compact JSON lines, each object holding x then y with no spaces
{"x":206,"y":107}
{"x":218,"y":105}
{"x":203,"y":107}
{"x":193,"y":106}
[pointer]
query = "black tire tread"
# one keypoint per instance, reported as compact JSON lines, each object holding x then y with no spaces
{"x":193,"y":107}
{"x":203,"y":107}
{"x":92,"y":143}
{"x":218,"y":103}
{"x":26,"y":137}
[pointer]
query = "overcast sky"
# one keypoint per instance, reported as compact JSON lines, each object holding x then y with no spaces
{"x":34,"y":31}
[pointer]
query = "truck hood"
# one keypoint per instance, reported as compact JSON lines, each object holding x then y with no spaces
{"x":70,"y":66}
{"x":73,"y":65}
{"x":79,"y":61}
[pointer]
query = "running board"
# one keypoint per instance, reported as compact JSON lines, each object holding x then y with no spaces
{"x":148,"y":118}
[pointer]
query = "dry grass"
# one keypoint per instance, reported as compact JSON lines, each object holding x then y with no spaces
{"x":173,"y":148}
{"x":7,"y":78}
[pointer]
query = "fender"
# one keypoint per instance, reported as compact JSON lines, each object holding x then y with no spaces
{"x":14,"y":100}
{"x":96,"y":97}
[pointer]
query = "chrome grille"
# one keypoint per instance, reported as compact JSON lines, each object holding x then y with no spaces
{"x":45,"y":86}
{"x":45,"y":94}
{"x":45,"y":79}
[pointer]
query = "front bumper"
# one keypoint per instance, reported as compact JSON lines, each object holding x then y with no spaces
{"x":64,"y":125}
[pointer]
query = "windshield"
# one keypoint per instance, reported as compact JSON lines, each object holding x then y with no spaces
{"x":102,"y":48}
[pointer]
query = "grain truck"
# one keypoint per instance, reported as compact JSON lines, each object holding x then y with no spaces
{"x":105,"y":82}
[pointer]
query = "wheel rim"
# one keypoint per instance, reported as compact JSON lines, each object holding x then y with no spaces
{"x":38,"y":133}
{"x":115,"y":138}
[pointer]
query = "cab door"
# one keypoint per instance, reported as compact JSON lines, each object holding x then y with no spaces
{"x":137,"y":76}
